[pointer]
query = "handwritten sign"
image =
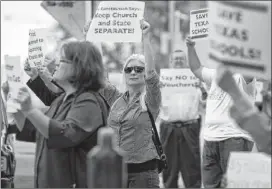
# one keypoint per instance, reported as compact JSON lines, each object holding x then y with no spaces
{"x":249,"y":170}
{"x":117,"y":21}
{"x":14,"y":75}
{"x":36,"y":47}
{"x":199,"y":24}
{"x":176,"y":81}
{"x":236,"y":42}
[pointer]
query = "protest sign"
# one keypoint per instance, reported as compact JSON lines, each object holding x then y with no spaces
{"x":240,"y":36}
{"x":249,"y":170}
{"x":117,"y":21}
{"x":177,"y":81}
{"x":14,"y":74}
{"x":36,"y":47}
{"x":199,"y":24}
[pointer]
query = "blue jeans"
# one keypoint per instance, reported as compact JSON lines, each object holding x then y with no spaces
{"x":147,"y":179}
{"x":215,"y":159}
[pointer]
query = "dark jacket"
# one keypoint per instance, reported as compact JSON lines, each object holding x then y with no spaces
{"x":60,"y":160}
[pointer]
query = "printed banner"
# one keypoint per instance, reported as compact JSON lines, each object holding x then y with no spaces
{"x":117,"y":21}
{"x":14,"y":75}
{"x":249,"y":170}
{"x":199,"y":24}
{"x":36,"y":47}
{"x":236,"y":42}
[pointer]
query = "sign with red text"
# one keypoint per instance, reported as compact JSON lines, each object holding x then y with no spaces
{"x":199,"y":24}
{"x":240,"y":36}
{"x":249,"y":170}
{"x":14,"y":74}
{"x":117,"y":21}
{"x":36,"y":47}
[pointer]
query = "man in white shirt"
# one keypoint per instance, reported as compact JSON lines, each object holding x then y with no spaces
{"x":180,"y":130}
{"x":221,"y":134}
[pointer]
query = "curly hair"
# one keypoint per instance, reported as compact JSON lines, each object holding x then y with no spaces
{"x":88,"y":68}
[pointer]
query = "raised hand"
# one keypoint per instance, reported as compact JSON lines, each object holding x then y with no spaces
{"x":24,"y":99}
{"x":145,"y":26}
{"x":31,"y":72}
{"x":190,"y":42}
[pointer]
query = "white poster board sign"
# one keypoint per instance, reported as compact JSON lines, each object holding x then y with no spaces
{"x":37,"y":47}
{"x":178,"y":87}
{"x":14,"y":74}
{"x":199,"y":24}
{"x":177,"y":81}
{"x":249,"y":170}
{"x":117,"y":21}
{"x":236,"y":42}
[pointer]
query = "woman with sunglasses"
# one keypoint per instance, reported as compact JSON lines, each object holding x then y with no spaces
{"x":64,"y":134}
{"x":129,"y":118}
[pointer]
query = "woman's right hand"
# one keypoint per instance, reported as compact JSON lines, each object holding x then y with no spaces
{"x":31,"y":72}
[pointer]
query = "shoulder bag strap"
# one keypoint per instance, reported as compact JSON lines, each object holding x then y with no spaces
{"x":157,"y":139}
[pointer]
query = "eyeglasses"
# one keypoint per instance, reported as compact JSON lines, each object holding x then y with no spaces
{"x":137,"y":69}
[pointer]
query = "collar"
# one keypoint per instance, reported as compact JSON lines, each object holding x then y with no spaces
{"x":126,"y":96}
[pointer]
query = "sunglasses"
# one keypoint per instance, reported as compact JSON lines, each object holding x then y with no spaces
{"x":137,"y":69}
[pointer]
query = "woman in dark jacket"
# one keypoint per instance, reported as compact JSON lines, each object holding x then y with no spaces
{"x":65,"y":133}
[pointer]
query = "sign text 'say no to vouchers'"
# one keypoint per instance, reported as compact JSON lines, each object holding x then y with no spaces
{"x":117,"y":21}
{"x":199,"y":24}
{"x":36,"y":47}
{"x":176,"y":82}
{"x":240,"y":36}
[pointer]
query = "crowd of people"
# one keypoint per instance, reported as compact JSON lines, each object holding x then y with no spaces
{"x":81,"y":100}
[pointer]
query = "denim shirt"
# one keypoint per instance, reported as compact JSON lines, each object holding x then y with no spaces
{"x":132,"y":124}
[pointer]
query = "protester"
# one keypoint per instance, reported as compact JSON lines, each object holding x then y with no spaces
{"x":180,"y":129}
{"x":246,"y":115}
{"x":221,"y":134}
{"x":64,"y":134}
{"x":129,"y":118}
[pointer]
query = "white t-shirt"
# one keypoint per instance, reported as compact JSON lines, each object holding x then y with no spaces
{"x":218,"y":124}
{"x":181,"y":107}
